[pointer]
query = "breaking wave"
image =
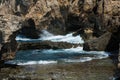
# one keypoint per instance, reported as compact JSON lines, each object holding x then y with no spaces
{"x":69,"y":38}
{"x":50,"y":56}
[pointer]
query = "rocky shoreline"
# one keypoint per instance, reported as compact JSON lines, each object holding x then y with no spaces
{"x":97,"y":21}
{"x":91,"y":70}
{"x":92,"y":19}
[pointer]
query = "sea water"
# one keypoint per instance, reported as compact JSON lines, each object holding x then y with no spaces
{"x":54,"y":56}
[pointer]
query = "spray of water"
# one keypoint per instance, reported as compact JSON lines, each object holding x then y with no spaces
{"x":50,"y":56}
{"x":69,"y":38}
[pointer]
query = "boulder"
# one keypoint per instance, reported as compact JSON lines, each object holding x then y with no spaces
{"x":107,"y":42}
{"x":98,"y":44}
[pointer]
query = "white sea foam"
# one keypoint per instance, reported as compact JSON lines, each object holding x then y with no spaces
{"x":65,"y":38}
{"x":50,"y":56}
{"x":54,"y":38}
{"x":46,"y":34}
{"x":68,"y":51}
{"x":31,"y":62}
{"x":21,"y":38}
{"x":82,"y":59}
{"x":77,"y":50}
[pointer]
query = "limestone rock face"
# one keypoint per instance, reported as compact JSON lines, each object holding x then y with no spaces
{"x":53,"y":14}
{"x":9,"y":25}
{"x":18,"y":7}
{"x":59,"y":16}
{"x":109,"y":11}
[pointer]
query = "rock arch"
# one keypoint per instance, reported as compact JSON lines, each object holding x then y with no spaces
{"x":12,"y":26}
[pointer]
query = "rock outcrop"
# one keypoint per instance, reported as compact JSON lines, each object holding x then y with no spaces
{"x":16,"y":7}
{"x":90,"y":18}
{"x":61,"y":16}
{"x":9,"y":25}
{"x":108,"y":41}
{"x":46,"y":45}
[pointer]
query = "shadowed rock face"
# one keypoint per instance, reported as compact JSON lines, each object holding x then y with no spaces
{"x":28,"y":29}
{"x":16,"y":7}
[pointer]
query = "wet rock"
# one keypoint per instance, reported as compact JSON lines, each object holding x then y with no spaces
{"x":46,"y":45}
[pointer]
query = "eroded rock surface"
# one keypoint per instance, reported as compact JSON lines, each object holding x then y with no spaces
{"x":9,"y":25}
{"x":46,"y":45}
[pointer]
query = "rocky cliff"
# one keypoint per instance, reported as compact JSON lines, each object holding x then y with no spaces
{"x":97,"y":21}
